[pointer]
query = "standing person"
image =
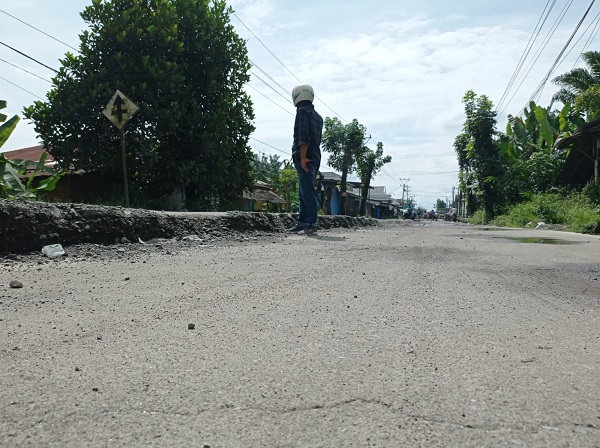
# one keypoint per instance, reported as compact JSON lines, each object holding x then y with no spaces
{"x":306,"y":154}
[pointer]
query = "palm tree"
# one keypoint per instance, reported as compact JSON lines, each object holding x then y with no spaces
{"x":579,"y":80}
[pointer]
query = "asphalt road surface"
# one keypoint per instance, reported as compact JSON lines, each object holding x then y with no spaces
{"x":424,"y":335}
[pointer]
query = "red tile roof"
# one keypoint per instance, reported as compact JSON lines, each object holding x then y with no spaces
{"x":32,"y":153}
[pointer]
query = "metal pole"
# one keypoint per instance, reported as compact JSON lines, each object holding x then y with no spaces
{"x":124,"y":159}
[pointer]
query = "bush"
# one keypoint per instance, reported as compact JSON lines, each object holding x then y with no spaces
{"x":592,"y":192}
{"x":575,"y":211}
{"x":477,"y":218}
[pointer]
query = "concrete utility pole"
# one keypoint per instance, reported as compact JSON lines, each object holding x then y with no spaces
{"x":404,"y":183}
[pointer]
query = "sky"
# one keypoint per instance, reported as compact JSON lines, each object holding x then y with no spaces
{"x":401,"y":68}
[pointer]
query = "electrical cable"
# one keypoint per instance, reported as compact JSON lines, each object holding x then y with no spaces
{"x":578,"y":40}
{"x":269,"y":86}
{"x":271,"y":146}
{"x":540,"y":88}
{"x":29,"y":57}
{"x":37,"y":29}
{"x":284,"y":66}
{"x":593,"y":35}
{"x":18,"y":86}
{"x":27,"y":71}
{"x":526,"y":51}
{"x":283,"y":89}
{"x":539,"y":52}
{"x":278,"y":105}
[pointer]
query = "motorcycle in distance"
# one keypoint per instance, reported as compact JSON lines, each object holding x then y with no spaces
{"x":409,"y":213}
{"x":451,"y":215}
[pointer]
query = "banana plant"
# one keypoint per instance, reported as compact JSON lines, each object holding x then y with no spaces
{"x":13,"y":171}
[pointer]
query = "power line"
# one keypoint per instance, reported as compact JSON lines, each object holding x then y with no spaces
{"x":285,"y":66}
{"x":526,"y":51}
{"x":29,"y":57}
{"x":539,"y":52}
{"x":37,"y":29}
{"x":271,"y":146}
{"x":283,"y":89}
{"x":27,"y":71}
{"x":278,"y":105}
{"x":269,"y":85}
{"x":18,"y":86}
{"x":555,"y":64}
{"x":595,"y":19}
{"x":590,"y":39}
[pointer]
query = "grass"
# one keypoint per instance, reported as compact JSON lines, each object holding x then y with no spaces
{"x":576,"y":212}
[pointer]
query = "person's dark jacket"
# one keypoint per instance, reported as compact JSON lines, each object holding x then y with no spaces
{"x":308,"y":130}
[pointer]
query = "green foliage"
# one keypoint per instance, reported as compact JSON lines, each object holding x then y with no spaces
{"x":344,"y":143}
{"x":591,"y":192}
{"x":12,"y":171}
{"x":574,"y":211}
{"x":479,"y":154}
{"x":478,"y":218}
{"x":369,"y":163}
{"x":440,"y":204}
{"x":580,"y":86}
{"x":185,"y":66}
{"x":8,"y":126}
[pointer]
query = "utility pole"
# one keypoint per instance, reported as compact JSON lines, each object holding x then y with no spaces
{"x":404,"y":183}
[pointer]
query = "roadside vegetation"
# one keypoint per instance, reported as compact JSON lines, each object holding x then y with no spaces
{"x":511,"y":178}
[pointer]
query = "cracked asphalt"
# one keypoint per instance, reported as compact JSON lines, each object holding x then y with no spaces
{"x":409,"y":334}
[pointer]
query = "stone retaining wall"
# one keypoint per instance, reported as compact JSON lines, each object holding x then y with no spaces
{"x":28,"y":226}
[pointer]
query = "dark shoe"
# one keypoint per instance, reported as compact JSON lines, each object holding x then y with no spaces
{"x":308,"y":231}
{"x":295,"y":229}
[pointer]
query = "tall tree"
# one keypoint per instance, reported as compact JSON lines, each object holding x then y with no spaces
{"x":185,"y":66}
{"x":368,"y":163}
{"x":581,"y":86}
{"x":478,"y":152}
{"x":343,"y":142}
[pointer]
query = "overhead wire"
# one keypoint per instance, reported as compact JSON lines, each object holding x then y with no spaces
{"x":285,"y":66}
{"x":528,"y":47}
{"x":19,"y":87}
{"x":539,"y":52}
{"x":37,"y":29}
{"x":540,"y":88}
{"x":29,"y":57}
{"x":271,"y":146}
{"x":591,"y":38}
{"x":27,"y":71}
{"x":278,"y":105}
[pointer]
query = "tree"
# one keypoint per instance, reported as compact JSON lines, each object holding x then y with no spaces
{"x":581,"y":86}
{"x":440,"y":204}
{"x":368,"y":163}
{"x":184,"y":65}
{"x":343,"y":142}
{"x":478,"y":153}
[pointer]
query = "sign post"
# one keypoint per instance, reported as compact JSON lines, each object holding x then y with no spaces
{"x":119,"y":110}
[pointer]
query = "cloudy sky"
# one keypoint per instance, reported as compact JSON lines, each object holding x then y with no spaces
{"x":400,"y":67}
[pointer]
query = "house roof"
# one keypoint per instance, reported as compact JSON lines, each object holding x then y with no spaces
{"x":578,"y":168}
{"x":32,"y":153}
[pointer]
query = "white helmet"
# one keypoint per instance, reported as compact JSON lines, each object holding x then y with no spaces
{"x":303,"y":92}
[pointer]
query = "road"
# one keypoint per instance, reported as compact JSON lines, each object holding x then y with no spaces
{"x":424,"y":335}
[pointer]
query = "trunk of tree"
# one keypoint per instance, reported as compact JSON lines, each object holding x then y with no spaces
{"x":343,"y":187}
{"x":364,"y":194}
{"x":344,"y":198}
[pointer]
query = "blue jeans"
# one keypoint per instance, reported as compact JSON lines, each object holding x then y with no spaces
{"x":309,"y":202}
